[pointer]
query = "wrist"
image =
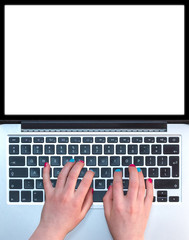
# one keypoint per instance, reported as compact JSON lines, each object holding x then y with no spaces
{"x":45,"y":233}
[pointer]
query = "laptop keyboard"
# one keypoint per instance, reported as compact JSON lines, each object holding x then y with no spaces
{"x":159,"y":158}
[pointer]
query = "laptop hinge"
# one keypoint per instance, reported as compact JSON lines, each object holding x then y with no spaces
{"x":94,"y":126}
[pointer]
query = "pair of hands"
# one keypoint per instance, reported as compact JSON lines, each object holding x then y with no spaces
{"x":65,"y":207}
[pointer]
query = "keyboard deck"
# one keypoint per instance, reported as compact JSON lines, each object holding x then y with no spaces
{"x":158,"y":156}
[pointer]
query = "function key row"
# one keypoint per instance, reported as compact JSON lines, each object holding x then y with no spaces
{"x":97,"y":139}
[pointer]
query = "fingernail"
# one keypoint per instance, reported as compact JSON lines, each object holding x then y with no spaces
{"x":92,"y":170}
{"x":46,"y":163}
{"x":72,"y":160}
{"x":118,"y":170}
{"x":138,"y":169}
{"x":109,"y":187}
{"x":150,"y":180}
{"x":81,"y":161}
{"x":92,"y":190}
{"x":132,"y":165}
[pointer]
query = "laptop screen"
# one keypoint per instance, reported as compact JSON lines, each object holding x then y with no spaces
{"x":94,"y":60}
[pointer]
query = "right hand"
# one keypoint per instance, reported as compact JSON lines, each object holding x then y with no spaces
{"x":127,"y":216}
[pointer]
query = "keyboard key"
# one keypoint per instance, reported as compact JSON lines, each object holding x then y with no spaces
{"x":144,"y":149}
{"x":114,"y":161}
{"x":120,"y":149}
{"x":171,"y":149}
{"x":124,"y":139}
{"x":161,"y":199}
{"x":82,"y":172}
{"x":25,"y":149}
{"x":60,"y":149}
{"x":50,"y":140}
{"x":108,"y":149}
{"x":106,"y":172}
{"x":14,"y":196}
{"x":57,"y":171}
{"x":37,"y":149}
{"x":174,"y":162}
{"x":55,"y":161}
{"x":153,"y":172}
{"x":144,"y":171}
{"x":18,"y":172}
{"x":78,"y":158}
{"x":38,"y":196}
{"x":103,"y":161}
{"x":26,"y":140}
{"x":156,"y":149}
{"x":39,"y":184}
{"x":162,"y":160}
{"x":138,"y":161}
{"x":32,"y":161}
{"x":49,"y":149}
{"x":15,"y":184}
{"x":28,"y":183}
{"x":125,"y":184}
{"x":25,"y":196}
{"x":109,"y":182}
{"x":63,"y":140}
{"x":161,"y":193}
{"x":14,"y":139}
{"x":100,"y":184}
{"x":75,"y":139}
{"x":161,"y":139}
{"x":43,"y":160}
{"x":96,"y":170}
{"x":53,"y":181}
{"x":166,"y":184}
{"x":91,"y":161}
{"x":126,"y":161}
{"x":97,"y":149}
{"x":137,"y":139}
{"x":73,"y":149}
{"x":13,"y":149}
{"x":35,"y":172}
{"x":132,"y":149}
{"x":149,"y":139}
{"x":100,"y":140}
{"x":84,"y":149}
{"x":173,"y":199}
{"x":112,"y":139}
{"x":98,"y":196}
{"x":150,"y":161}
{"x":38,"y":139}
{"x":87,"y":140}
{"x":77,"y":184}
{"x":127,"y":172}
{"x":17,"y":161}
{"x":164,"y":172}
{"x":66,"y":159}
{"x":173,"y":139}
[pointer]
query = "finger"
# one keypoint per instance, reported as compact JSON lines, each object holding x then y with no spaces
{"x":73,"y":176}
{"x":61,"y":180}
{"x":117,"y":187}
{"x":88,"y":202}
{"x":84,"y":186}
{"x":46,"y":179}
{"x":141,"y":189}
{"x":133,"y":183}
{"x":108,"y":201}
{"x":149,"y":194}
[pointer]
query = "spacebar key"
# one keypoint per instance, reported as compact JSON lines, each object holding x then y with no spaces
{"x":167,"y":184}
{"x":98,"y":196}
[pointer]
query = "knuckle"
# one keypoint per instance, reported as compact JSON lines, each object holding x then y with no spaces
{"x":132,"y":209}
{"x":119,"y":208}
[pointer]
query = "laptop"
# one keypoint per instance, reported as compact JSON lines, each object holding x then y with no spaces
{"x":105,"y":84}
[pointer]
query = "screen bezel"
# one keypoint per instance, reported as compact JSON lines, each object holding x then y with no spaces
{"x":174,"y":118}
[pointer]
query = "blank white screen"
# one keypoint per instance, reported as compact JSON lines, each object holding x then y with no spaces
{"x":94,"y":60}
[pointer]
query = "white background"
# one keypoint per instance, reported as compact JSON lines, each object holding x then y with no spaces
{"x":94,"y":60}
